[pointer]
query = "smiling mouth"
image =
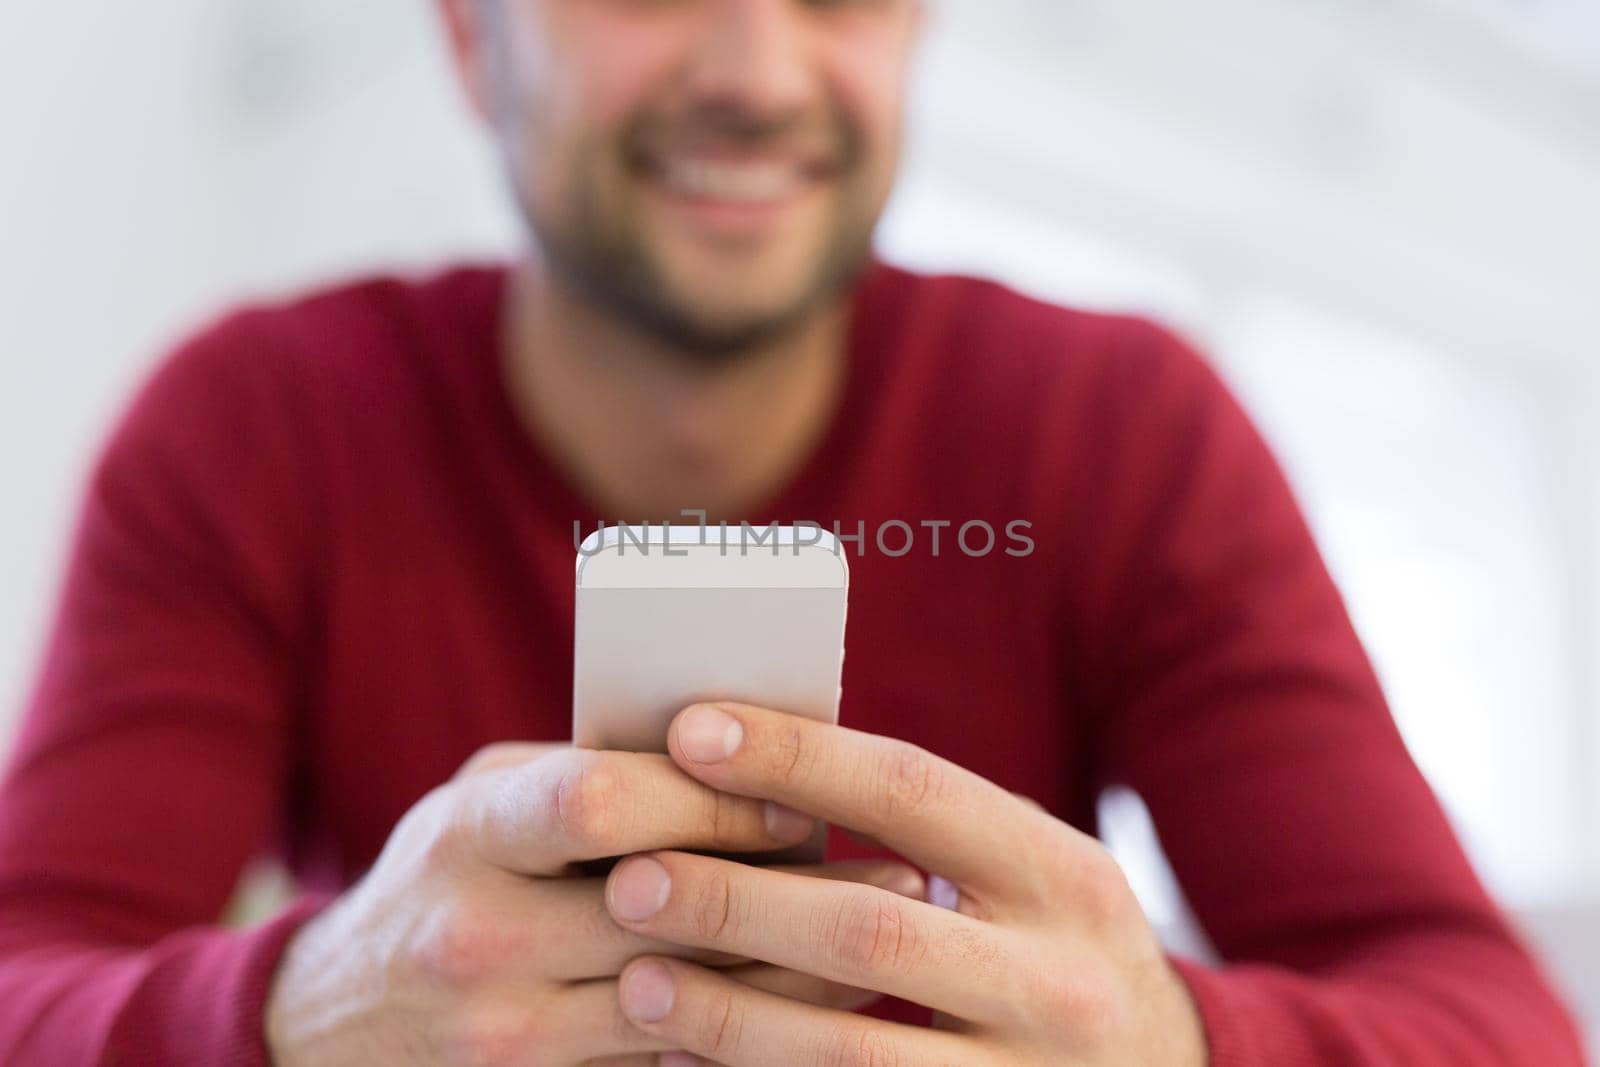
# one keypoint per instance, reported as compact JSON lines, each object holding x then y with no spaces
{"x":742,"y":180}
{"x":734,"y":182}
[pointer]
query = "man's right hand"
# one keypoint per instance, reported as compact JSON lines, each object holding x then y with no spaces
{"x":475,"y":939}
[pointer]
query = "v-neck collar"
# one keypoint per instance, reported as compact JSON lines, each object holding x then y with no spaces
{"x":812,"y":487}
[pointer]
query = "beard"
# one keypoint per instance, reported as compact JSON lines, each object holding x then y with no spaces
{"x":598,"y":244}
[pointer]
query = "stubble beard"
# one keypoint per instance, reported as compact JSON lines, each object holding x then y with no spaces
{"x":613,"y":269}
{"x":601,"y":251}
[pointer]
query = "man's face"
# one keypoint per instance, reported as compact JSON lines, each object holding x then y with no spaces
{"x":710,"y":169}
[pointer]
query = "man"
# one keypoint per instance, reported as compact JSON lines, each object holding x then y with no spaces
{"x":326,"y":558}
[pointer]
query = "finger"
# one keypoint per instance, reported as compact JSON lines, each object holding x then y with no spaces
{"x":577,"y":1024}
{"x":573,"y":805}
{"x":586,"y":1022}
{"x":807,"y":987}
{"x":594,"y":1007}
{"x":721,"y":1019}
{"x":584,"y":942}
{"x":579,"y":940}
{"x":598,"y":1002}
{"x":898,"y":878}
{"x":858,"y":935}
{"x":938,"y":815}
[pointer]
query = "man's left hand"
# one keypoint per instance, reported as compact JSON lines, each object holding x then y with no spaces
{"x":1038,"y":952}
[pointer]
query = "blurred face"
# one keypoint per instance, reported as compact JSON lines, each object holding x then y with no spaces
{"x":710,"y":169}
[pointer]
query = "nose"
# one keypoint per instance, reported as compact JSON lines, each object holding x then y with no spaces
{"x":753,"y":57}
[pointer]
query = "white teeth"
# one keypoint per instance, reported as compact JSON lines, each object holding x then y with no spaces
{"x":742,"y":182}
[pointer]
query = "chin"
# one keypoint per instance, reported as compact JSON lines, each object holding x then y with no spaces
{"x":724,"y":335}
{"x":722,"y":313}
{"x":739,"y":285}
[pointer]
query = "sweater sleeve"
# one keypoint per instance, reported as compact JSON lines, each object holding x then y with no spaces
{"x":154,"y":749}
{"x":1239,"y":704}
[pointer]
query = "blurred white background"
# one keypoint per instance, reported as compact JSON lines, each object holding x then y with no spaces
{"x":1381,"y":219}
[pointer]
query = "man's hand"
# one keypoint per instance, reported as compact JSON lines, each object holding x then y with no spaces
{"x":474,"y":939}
{"x":1040,"y":954}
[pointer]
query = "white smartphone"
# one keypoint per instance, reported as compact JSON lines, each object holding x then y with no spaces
{"x":668,"y":616}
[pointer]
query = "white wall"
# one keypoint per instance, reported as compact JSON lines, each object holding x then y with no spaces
{"x":160,"y":160}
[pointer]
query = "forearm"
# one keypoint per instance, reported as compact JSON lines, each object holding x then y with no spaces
{"x":195,"y":996}
{"x":1447,"y":1001}
{"x":1237,"y":701}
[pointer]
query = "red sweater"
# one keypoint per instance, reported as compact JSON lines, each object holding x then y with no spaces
{"x":320,"y":562}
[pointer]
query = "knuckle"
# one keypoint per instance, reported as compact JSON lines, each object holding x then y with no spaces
{"x":486,"y":1038}
{"x":460,"y":948}
{"x":721,"y":815}
{"x":1080,"y":869}
{"x":1053,"y":996}
{"x":720,"y":1027}
{"x":871,"y":933}
{"x":912,"y":781}
{"x":595,"y":927}
{"x":717,"y":906}
{"x":590,"y":803}
{"x":859,"y":1045}
{"x":1102,"y":886}
{"x":621,"y":1031}
{"x":792,"y":756}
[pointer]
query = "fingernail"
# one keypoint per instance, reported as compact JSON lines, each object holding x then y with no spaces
{"x":678,"y":1058}
{"x":639,"y":888}
{"x":943,"y":894}
{"x":708,"y":734}
{"x":646,"y":993}
{"x":786,"y":824}
{"x":908,"y":884}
